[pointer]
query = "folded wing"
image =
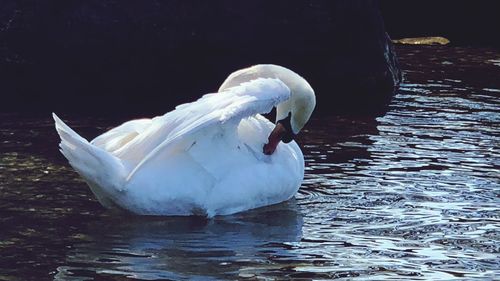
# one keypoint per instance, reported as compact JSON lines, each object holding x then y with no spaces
{"x":176,"y":129}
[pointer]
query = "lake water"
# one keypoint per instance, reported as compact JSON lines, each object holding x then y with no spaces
{"x":414,"y":194}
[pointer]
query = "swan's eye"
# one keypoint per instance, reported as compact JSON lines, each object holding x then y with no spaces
{"x":288,"y":137}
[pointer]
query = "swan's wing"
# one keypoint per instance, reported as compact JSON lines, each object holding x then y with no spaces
{"x":213,"y":111}
{"x":118,"y":137}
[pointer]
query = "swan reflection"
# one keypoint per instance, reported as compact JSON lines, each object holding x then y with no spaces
{"x":180,"y":247}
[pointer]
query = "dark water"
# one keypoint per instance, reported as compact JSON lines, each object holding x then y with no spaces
{"x":413,"y":195}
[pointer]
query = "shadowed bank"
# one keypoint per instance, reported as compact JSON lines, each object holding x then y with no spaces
{"x":148,"y":56}
{"x":122,"y":57}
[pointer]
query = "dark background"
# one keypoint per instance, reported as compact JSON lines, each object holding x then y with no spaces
{"x":145,"y":57}
{"x":464,"y":23}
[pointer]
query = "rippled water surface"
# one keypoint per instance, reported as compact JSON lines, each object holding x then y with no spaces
{"x":414,"y":194}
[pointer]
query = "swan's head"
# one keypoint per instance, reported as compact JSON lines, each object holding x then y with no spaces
{"x":291,"y":115}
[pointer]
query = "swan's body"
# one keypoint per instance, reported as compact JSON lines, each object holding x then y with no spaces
{"x":203,"y":157}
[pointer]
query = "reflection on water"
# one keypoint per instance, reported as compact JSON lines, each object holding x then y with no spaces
{"x":413,"y":195}
{"x":176,"y":248}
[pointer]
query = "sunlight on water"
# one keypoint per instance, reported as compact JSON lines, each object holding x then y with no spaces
{"x":414,"y":194}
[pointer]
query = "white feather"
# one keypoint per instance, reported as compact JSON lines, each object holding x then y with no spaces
{"x":203,"y":157}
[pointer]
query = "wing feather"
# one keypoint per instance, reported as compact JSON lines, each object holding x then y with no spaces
{"x":228,"y":107}
{"x":117,"y":137}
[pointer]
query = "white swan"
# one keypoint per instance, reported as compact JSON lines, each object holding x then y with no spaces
{"x":214,"y":156}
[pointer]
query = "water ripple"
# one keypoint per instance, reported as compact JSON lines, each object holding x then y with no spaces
{"x":411,"y":195}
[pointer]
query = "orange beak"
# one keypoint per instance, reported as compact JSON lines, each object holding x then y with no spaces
{"x":274,"y":139}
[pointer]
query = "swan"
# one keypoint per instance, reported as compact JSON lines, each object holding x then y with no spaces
{"x":214,"y":156}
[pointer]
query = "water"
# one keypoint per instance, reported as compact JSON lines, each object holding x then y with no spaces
{"x":413,"y":195}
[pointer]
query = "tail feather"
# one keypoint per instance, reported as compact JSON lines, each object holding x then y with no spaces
{"x":104,"y":173}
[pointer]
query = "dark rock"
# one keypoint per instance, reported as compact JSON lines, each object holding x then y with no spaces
{"x":148,"y":56}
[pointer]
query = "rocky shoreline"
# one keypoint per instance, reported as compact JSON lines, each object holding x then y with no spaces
{"x":149,"y":56}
